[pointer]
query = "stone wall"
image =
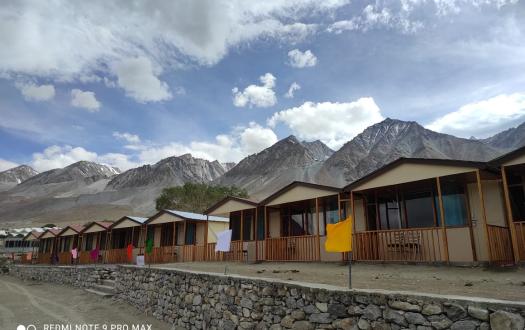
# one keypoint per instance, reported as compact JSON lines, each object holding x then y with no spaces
{"x":191,"y":300}
{"x":79,"y":276}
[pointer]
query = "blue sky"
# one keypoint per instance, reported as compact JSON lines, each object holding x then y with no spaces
{"x":126,"y":85}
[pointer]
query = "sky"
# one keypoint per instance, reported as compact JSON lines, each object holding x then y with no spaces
{"x":129,"y":83}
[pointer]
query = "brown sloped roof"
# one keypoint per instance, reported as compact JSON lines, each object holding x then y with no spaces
{"x":296,"y":184}
{"x":229,"y":198}
{"x":403,"y":160}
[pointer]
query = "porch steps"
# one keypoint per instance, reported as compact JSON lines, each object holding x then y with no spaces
{"x":104,"y":290}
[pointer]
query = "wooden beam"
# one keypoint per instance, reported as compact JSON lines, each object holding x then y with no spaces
{"x":483,"y":213}
{"x":443,"y":224}
{"x":206,"y":238}
{"x":510,"y":221}
{"x":256,"y":222}
{"x":352,"y":205}
{"x":471,"y":229}
{"x":318,"y":228}
{"x":266,"y":233}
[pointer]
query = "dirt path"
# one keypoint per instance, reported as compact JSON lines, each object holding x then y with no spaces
{"x":474,"y":282}
{"x":44,"y":303}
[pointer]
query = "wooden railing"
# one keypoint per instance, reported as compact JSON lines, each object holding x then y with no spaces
{"x":261,"y":250}
{"x":193,"y":253}
{"x":44,"y":258}
{"x":519,"y":228}
{"x":64,"y":258}
{"x":117,"y":256}
{"x":163,"y":254}
{"x":412,"y":245}
{"x":500,"y":245}
{"x":294,"y":248}
{"x":84,"y":258}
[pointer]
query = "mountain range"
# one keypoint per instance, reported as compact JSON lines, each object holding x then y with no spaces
{"x":86,"y":191}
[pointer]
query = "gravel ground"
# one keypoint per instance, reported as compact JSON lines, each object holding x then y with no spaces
{"x":508,"y":284}
{"x":40,"y":304}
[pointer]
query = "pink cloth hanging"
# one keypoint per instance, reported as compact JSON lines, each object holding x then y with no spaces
{"x":74,"y":253}
{"x":94,"y":254}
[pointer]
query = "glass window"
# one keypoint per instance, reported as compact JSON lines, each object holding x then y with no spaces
{"x":247,"y":222}
{"x":389,"y":213}
{"x":419,"y":209}
{"x":179,"y":227}
{"x":235,"y":225}
{"x":191,"y":230}
{"x":260,"y":224}
{"x":331,"y":210}
{"x":166,"y":234}
{"x":516,"y":196}
{"x":371,"y":214}
{"x":453,"y":196}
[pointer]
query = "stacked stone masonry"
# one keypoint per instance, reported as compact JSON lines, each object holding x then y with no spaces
{"x":191,"y":300}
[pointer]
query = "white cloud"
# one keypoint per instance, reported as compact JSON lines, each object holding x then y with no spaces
{"x":256,"y":138}
{"x":139,"y":79}
{"x":85,"y":100}
{"x":375,"y":16}
{"x":56,"y":156}
{"x":78,"y":39}
{"x":483,"y":118}
{"x":128,"y":137}
{"x":239,"y":143}
{"x":6,"y":164}
{"x":254,"y":95}
{"x":33,"y":92}
{"x":291,"y":91}
{"x":232,"y":147}
{"x":299,"y":59}
{"x":60,"y":156}
{"x":332,"y":123}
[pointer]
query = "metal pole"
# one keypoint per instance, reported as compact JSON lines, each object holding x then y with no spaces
{"x":350,"y":269}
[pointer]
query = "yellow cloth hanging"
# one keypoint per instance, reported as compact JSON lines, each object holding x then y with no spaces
{"x":339,"y":236}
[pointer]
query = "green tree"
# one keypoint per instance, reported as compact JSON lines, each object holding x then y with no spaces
{"x":195,"y":197}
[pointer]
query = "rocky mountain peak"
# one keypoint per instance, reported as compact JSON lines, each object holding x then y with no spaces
{"x":17,"y":175}
{"x":390,"y":139}
{"x":171,"y":171}
{"x":509,"y":139}
{"x":80,"y":171}
{"x":318,"y":149}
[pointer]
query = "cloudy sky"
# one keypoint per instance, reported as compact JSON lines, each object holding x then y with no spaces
{"x":127,"y":83}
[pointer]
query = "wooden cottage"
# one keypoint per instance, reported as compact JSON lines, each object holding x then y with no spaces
{"x":182,"y":236}
{"x":288,"y":225}
{"x":512,"y":167}
{"x":94,"y":237}
{"x":34,"y":238}
{"x":67,"y":240}
{"x":429,"y":210}
{"x":127,"y":231}
{"x":47,"y":250}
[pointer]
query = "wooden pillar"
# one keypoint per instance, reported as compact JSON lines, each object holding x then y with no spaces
{"x":109,"y":237}
{"x":442,"y":216}
{"x":206,"y":238}
{"x":266,"y":233}
{"x":185,"y":229}
{"x":256,"y":227}
{"x":318,"y":229}
{"x":352,"y":205}
{"x":471,"y":229}
{"x":483,"y":213}
{"x":242,"y":234}
{"x":173,"y":241}
{"x":510,"y":222}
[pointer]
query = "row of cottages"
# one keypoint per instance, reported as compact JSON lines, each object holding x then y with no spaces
{"x":411,"y":210}
{"x":176,"y":236}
